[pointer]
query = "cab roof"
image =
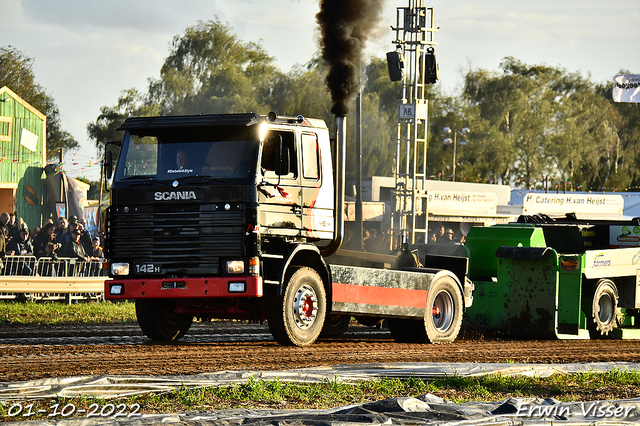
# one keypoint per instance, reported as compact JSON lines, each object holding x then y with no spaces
{"x":203,"y":120}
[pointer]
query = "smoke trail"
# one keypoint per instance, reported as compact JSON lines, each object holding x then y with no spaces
{"x":345,"y":26}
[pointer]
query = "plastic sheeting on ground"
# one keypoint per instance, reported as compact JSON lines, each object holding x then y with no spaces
{"x":425,"y":410}
{"x":110,"y":386}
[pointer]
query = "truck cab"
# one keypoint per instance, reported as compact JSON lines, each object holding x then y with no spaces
{"x":212,"y":205}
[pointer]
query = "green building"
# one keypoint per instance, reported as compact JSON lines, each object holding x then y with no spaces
{"x":23,"y":151}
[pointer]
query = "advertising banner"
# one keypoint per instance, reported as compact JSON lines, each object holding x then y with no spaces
{"x":461,"y":202}
{"x":584,"y":205}
{"x":626,"y":88}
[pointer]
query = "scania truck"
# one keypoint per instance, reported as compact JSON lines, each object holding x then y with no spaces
{"x":241,"y":216}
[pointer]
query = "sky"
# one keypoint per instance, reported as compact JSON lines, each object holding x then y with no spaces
{"x":86,"y":52}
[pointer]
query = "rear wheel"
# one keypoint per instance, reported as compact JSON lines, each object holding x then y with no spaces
{"x":296,"y":317}
{"x":604,"y":309}
{"x":442,"y":319}
{"x":159,"y":321}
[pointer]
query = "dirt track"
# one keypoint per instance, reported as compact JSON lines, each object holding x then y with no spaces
{"x":41,"y":352}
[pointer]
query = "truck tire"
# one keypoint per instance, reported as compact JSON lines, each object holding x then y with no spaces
{"x":335,"y":325}
{"x":604,"y":309}
{"x":158,"y":320}
{"x":442,"y":319}
{"x":296,"y":317}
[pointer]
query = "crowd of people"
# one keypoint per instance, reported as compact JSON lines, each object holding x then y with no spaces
{"x":381,"y":242}
{"x":62,"y":238}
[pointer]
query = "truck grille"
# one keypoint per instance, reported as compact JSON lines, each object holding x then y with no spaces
{"x":184,"y":240}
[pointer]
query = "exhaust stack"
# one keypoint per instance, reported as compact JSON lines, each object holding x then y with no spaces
{"x":339,"y":185}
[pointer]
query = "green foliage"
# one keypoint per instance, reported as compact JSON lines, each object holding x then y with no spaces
{"x":16,"y":72}
{"x":538,"y":121}
{"x":60,"y":313}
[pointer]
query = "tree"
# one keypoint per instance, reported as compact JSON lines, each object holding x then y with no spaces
{"x":210,"y":70}
{"x":130,"y":103}
{"x":16,"y":72}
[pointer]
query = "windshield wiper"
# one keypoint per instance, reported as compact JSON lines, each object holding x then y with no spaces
{"x":142,"y":180}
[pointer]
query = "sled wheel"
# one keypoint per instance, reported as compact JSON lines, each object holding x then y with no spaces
{"x":296,"y":317}
{"x":604,"y":309}
{"x":159,"y":321}
{"x":335,"y":325}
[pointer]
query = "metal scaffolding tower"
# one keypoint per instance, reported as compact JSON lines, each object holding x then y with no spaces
{"x":415,"y":46}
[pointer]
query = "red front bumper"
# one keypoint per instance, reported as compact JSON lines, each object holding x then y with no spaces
{"x":182,"y":288}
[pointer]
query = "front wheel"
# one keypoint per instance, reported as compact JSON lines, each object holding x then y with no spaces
{"x":159,"y":321}
{"x":296,"y":317}
{"x":604,"y":309}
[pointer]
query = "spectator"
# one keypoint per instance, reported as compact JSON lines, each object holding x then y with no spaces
{"x":371,"y":243}
{"x":433,"y":238}
{"x":13,"y":226}
{"x":73,"y":247}
{"x":96,"y":251}
{"x":21,"y":246}
{"x":85,"y":236}
{"x":61,"y":228}
{"x":448,"y":237}
{"x":462,"y":238}
{"x":440,"y":231}
{"x":346,"y":241}
{"x":73,"y":225}
{"x":50,"y":250}
{"x":365,"y":237}
{"x":45,"y":237}
{"x":385,"y":240}
{"x":4,"y":218}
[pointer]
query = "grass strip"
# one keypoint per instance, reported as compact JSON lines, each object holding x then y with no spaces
{"x":49,"y":313}
{"x":617,"y":384}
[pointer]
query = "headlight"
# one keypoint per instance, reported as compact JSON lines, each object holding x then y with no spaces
{"x":235,"y":266}
{"x":120,"y":268}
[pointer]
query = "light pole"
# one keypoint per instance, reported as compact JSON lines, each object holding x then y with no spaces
{"x":448,"y":141}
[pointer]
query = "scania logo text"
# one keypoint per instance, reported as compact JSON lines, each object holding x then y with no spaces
{"x":174,"y":195}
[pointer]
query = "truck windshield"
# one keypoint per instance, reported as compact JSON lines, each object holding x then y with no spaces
{"x":170,"y":154}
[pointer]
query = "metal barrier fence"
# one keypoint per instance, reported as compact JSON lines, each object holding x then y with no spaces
{"x":67,"y":279}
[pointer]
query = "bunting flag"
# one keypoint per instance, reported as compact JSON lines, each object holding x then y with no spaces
{"x":626,"y":88}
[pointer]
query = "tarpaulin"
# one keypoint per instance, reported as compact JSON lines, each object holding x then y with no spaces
{"x":425,"y":410}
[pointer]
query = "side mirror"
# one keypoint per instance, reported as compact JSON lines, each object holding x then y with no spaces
{"x":108,"y":159}
{"x":108,"y":164}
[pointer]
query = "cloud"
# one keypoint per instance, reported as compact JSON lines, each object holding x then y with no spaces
{"x":140,"y":15}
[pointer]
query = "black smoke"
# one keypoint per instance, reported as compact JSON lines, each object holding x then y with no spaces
{"x":345,"y":26}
